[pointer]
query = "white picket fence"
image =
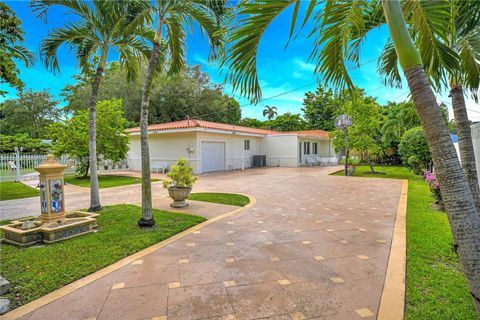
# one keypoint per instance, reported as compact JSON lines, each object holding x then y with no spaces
{"x":21,"y":167}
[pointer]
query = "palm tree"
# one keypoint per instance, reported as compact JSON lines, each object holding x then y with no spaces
{"x":451,"y":57}
{"x":336,"y":23}
{"x":270,"y":113}
{"x":173,"y":19}
{"x":99,"y":29}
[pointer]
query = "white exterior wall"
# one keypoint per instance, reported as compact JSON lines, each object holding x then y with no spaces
{"x":281,"y":150}
{"x":165,"y":147}
{"x":234,"y":148}
{"x":325,"y":149}
{"x":476,"y":146}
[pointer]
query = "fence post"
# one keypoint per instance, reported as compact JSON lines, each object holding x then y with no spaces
{"x":17,"y":163}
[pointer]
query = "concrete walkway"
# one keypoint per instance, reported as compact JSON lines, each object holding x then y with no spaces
{"x":313,"y":247}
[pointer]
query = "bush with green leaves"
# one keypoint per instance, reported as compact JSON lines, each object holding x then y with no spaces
{"x":414,"y":143}
{"x":180,"y":175}
{"x":71,"y":136}
{"x":414,"y":164}
{"x":23,"y":140}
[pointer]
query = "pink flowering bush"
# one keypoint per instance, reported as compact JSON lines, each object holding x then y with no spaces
{"x":434,"y":185}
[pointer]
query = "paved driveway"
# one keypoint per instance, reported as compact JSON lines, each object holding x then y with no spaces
{"x":313,"y":246}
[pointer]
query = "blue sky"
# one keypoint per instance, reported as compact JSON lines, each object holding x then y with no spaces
{"x":280,"y":70}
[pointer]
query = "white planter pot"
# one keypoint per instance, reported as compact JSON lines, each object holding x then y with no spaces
{"x":179,"y":195}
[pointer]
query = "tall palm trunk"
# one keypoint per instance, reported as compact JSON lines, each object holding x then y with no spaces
{"x":462,"y":214}
{"x":465,"y":144}
{"x":147,"y":220}
{"x":92,"y":138}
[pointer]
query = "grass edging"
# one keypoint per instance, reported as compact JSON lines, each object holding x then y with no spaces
{"x":232,"y":199}
{"x":69,"y":288}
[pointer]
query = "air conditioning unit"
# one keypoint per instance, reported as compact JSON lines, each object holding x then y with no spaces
{"x":259,"y":161}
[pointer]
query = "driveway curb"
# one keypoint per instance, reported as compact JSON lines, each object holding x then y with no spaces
{"x":392,"y":303}
{"x":69,"y":288}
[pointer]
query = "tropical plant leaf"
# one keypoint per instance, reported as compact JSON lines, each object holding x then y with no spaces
{"x":388,"y":66}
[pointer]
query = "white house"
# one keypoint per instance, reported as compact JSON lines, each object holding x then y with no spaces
{"x":211,"y":146}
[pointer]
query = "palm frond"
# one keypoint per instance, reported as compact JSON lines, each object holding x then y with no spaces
{"x":209,"y":22}
{"x":175,"y":38}
{"x":242,"y":56}
{"x":333,"y":45}
{"x":77,"y":7}
{"x":22,"y":53}
{"x":469,"y":52}
{"x":430,"y":25}
{"x":388,"y":66}
{"x":73,"y":35}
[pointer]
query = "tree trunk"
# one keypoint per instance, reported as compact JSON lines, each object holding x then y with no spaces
{"x":460,"y":206}
{"x":465,"y":144}
{"x":458,"y":200}
{"x":92,"y":144}
{"x":86,"y":170}
{"x":147,"y":220}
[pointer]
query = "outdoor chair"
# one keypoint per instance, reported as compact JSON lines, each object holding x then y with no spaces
{"x":332,"y":161}
{"x":12,"y":165}
{"x":311,"y":161}
{"x":159,"y":166}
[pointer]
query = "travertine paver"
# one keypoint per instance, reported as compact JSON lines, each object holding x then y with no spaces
{"x":323,"y":256}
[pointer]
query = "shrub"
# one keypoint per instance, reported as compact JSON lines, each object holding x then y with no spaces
{"x":434,"y":186}
{"x":180,"y":175}
{"x":414,"y":164}
{"x":414,"y":143}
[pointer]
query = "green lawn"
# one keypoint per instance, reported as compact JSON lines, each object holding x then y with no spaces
{"x":436,"y":287}
{"x":36,"y":271}
{"x":16,"y":190}
{"x":223,"y":198}
{"x":104,"y":181}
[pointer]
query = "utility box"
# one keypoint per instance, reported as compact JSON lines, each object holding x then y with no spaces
{"x":259,"y":160}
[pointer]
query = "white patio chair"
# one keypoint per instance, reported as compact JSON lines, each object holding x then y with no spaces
{"x":311,"y":161}
{"x":159,"y":166}
{"x":12,"y":165}
{"x":332,"y":161}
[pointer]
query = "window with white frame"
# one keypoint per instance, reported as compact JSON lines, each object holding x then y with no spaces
{"x":314,"y":148}
{"x":306,"y":147}
{"x":246,"y":145}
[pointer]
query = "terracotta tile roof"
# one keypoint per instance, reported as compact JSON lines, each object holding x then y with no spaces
{"x":193,"y":123}
{"x":314,"y":133}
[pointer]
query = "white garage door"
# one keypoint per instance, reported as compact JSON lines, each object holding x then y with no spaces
{"x":213,"y":156}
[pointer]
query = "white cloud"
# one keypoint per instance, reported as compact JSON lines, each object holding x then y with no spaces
{"x":302,"y":65}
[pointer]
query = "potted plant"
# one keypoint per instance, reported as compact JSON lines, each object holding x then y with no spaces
{"x":180,"y":183}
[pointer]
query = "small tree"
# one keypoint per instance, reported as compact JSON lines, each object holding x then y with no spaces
{"x":320,"y":109}
{"x":363,"y":135}
{"x":413,"y":150}
{"x":71,"y":137}
{"x":288,"y":122}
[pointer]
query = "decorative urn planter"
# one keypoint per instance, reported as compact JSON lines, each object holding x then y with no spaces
{"x":179,"y":195}
{"x":180,"y":183}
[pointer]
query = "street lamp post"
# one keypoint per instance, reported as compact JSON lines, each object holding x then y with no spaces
{"x":343,"y":122}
